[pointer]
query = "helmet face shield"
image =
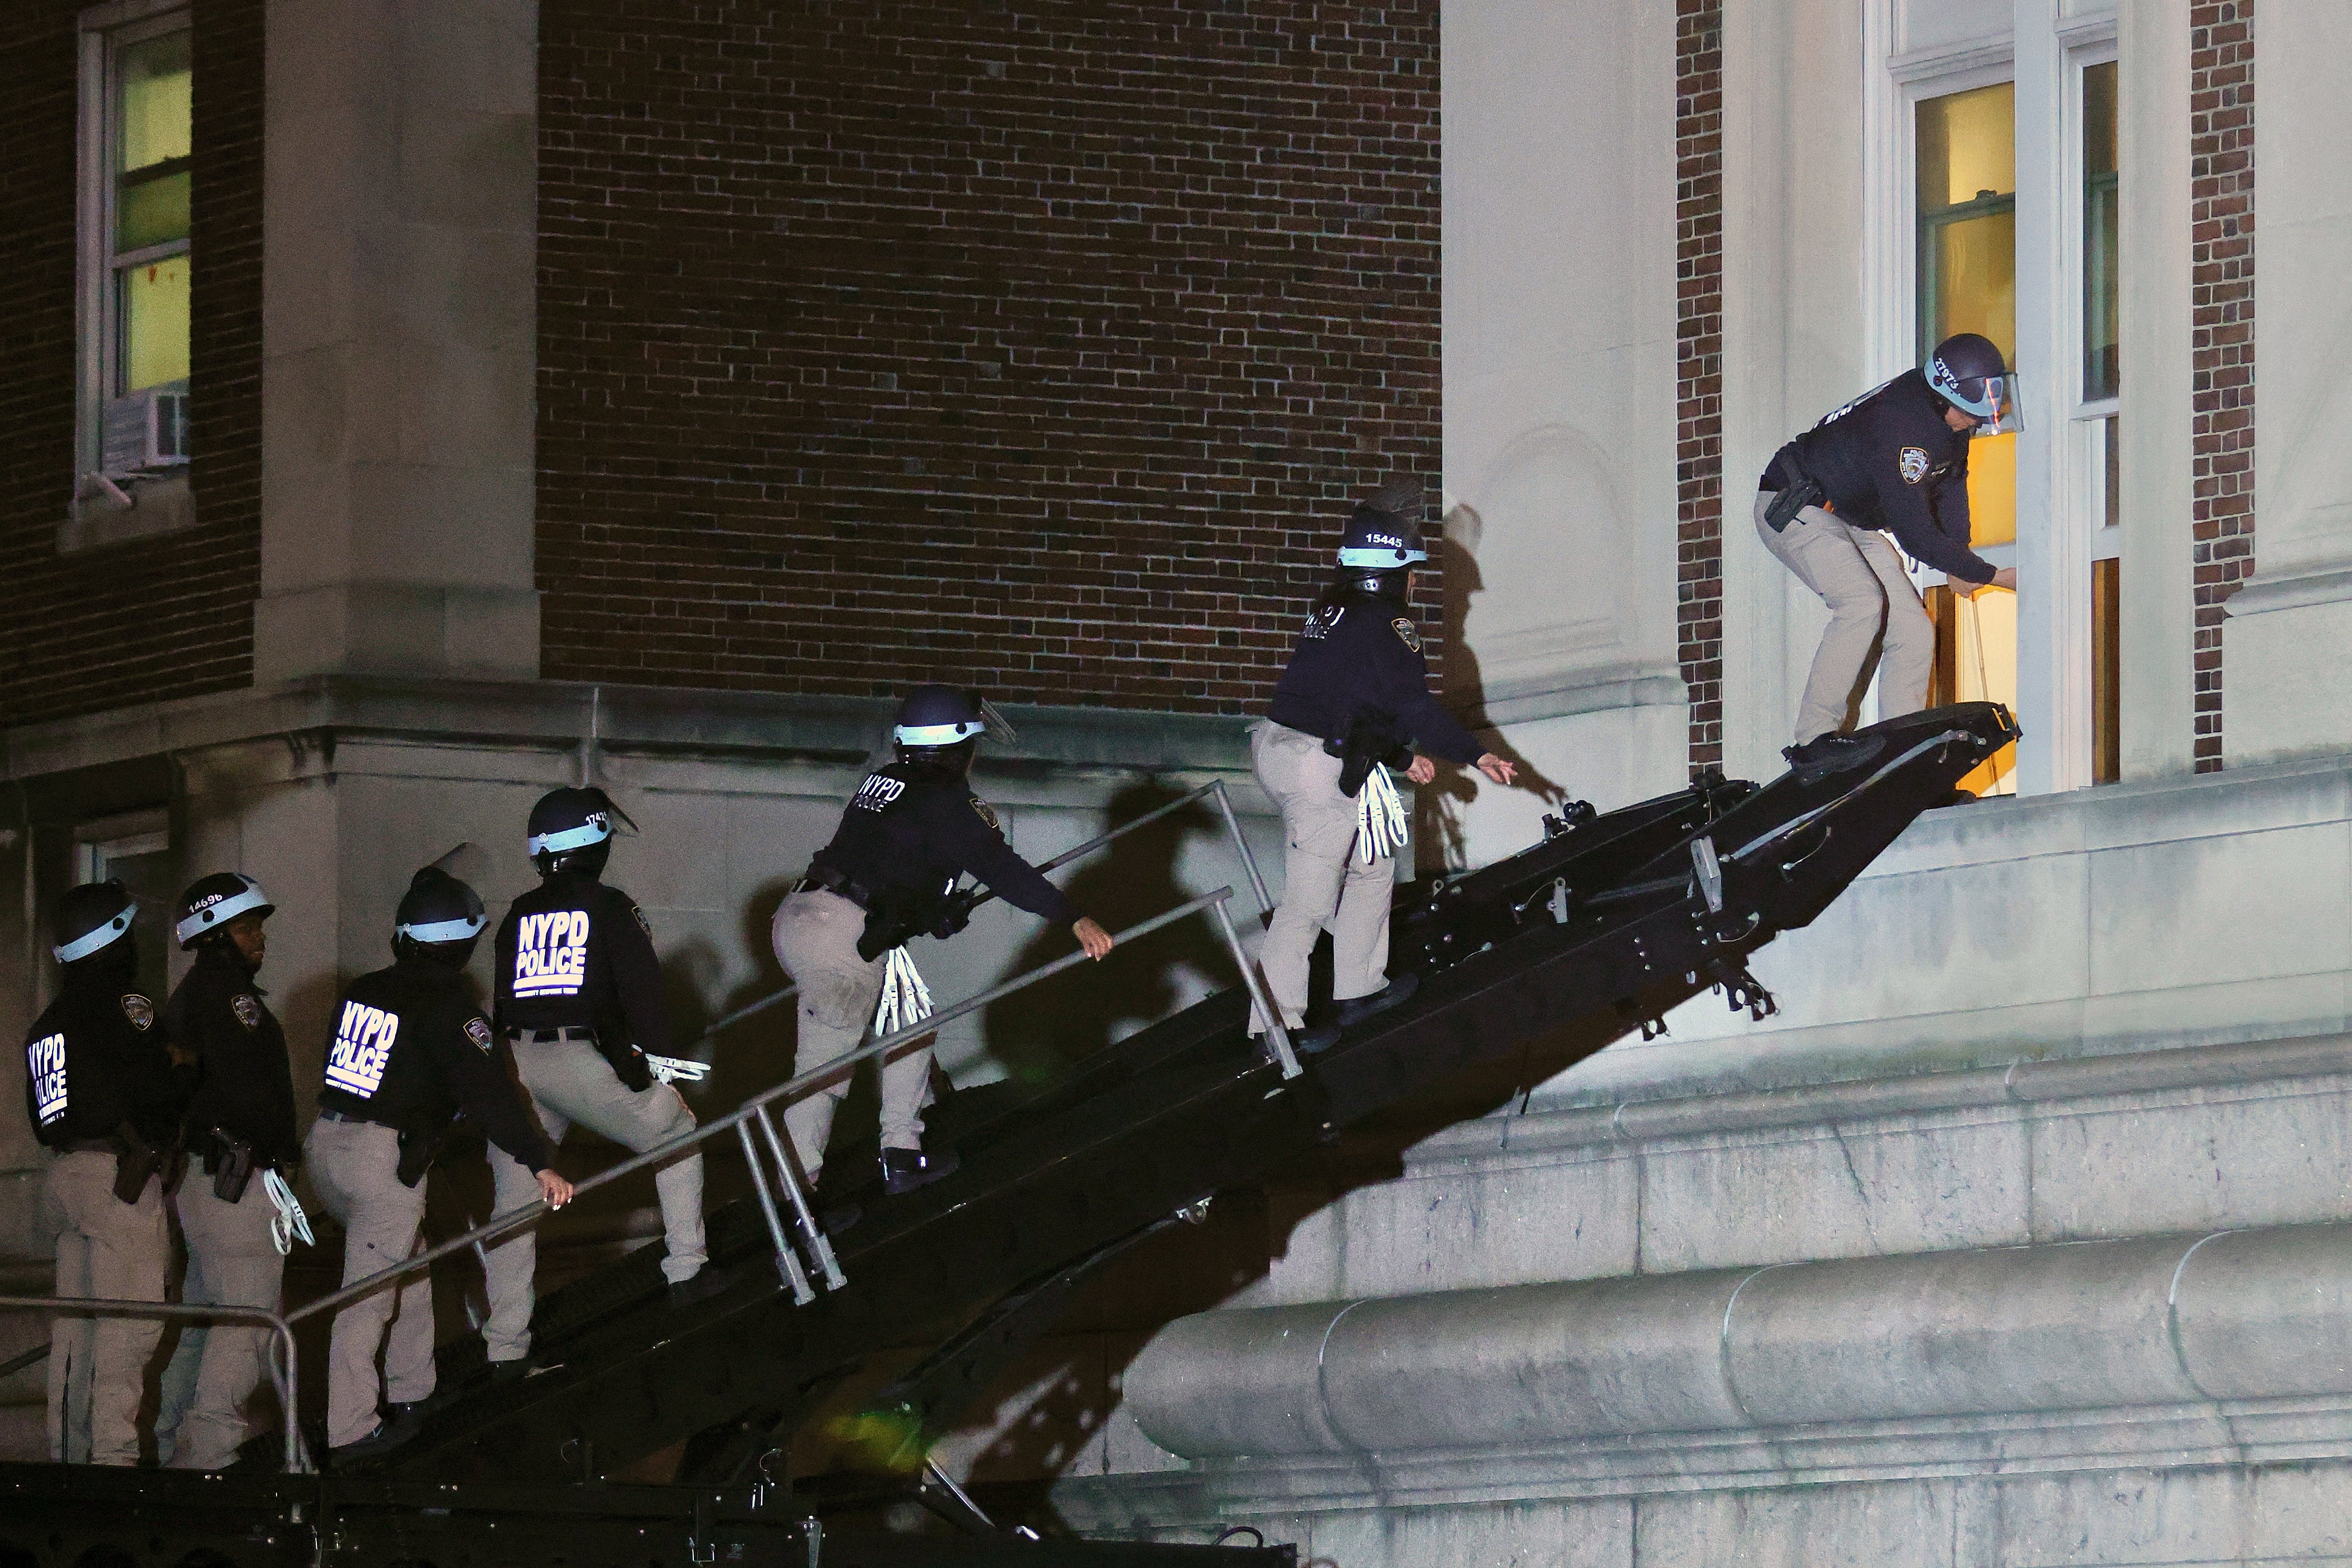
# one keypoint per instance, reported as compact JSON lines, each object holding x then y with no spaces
{"x":2006,"y":416}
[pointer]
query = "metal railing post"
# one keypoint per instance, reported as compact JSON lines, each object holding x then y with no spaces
{"x":813,"y":1237}
{"x":282,"y":1365}
{"x":1276,"y":1035}
{"x":788,"y":1262}
{"x":1241,"y":846}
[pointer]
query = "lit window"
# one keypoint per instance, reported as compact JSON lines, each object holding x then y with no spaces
{"x":2102,"y":382}
{"x":136,"y":126}
{"x":1966,"y":180}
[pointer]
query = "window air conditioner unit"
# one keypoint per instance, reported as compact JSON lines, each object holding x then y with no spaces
{"x":146,"y":430}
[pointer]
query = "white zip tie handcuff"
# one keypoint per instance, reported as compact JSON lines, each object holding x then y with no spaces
{"x":1379,"y":816}
{"x":906,"y":1000}
{"x":289,"y":1224}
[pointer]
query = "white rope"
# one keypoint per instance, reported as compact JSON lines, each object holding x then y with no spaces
{"x":906,"y":1000}
{"x":290,"y":1222}
{"x":1379,"y":816}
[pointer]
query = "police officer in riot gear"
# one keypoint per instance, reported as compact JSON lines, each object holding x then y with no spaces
{"x":913,"y":829}
{"x":1354,"y":700}
{"x":240,"y":1124}
{"x":410,"y":1052}
{"x":1893,"y":461}
{"x":580,"y":999}
{"x":104,"y":1099}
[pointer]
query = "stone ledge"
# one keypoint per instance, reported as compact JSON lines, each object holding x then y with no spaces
{"x":2245,"y":1336}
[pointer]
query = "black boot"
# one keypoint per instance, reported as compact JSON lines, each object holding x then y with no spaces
{"x":705,"y":1283}
{"x":1355,"y":1010}
{"x":904,"y":1170}
{"x":1823,"y":755}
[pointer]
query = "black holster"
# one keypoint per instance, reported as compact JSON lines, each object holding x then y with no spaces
{"x":896,"y":915}
{"x":135,"y":1160}
{"x":1793,"y":498}
{"x":419,"y":1147}
{"x":1371,"y":738}
{"x":229,"y":1162}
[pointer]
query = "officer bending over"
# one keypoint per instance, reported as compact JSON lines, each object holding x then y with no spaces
{"x":1895,"y":460}
{"x":580,"y":999}
{"x":911,"y":830}
{"x":239,"y":1126}
{"x":1355,"y":697}
{"x":410,"y":1051}
{"x":104,"y":1100}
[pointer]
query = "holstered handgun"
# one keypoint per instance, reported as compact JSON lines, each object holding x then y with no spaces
{"x":1371,"y":738}
{"x":1795,"y":497}
{"x":136,"y":1160}
{"x":230,"y":1164}
{"x":418,"y":1149}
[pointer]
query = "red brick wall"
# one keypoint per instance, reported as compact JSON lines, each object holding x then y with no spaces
{"x":2221,"y":258}
{"x":165,"y":617}
{"x":1040,"y":344}
{"x":1698,"y":367}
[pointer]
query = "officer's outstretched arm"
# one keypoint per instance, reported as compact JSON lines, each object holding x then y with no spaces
{"x":979,"y":849}
{"x":463,"y":1050}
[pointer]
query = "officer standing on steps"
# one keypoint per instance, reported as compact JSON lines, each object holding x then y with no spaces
{"x":239,"y":1126}
{"x":913,"y":829}
{"x":1895,"y":460}
{"x":410,"y":1051}
{"x":580,"y":999}
{"x":104,"y":1099}
{"x":1354,"y":700}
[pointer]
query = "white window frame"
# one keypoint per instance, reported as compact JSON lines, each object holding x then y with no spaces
{"x":104,"y":31}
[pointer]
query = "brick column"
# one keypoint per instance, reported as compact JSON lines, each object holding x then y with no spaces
{"x":1698,"y":368}
{"x":2222,"y":241}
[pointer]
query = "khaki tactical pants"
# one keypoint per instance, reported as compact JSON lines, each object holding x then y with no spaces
{"x":1324,"y":882}
{"x":1859,"y":575}
{"x":116,"y":1251}
{"x":232,"y":1262}
{"x":354,"y":1166}
{"x":572,"y":1084}
{"x":816,"y":935}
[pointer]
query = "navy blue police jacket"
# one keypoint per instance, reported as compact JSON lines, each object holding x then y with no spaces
{"x":245,"y":1080}
{"x":1364,"y":653}
{"x":574,"y":954}
{"x":1888,"y":461}
{"x":94,"y":1059}
{"x":910,"y":831}
{"x":411,"y":1050}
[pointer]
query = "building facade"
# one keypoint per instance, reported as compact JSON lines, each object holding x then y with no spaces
{"x":413,"y":413}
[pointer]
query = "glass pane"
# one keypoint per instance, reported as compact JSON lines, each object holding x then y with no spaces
{"x":1968,"y":146}
{"x":1993,"y":491}
{"x":1974,"y":284}
{"x":2112,"y":513}
{"x":154,"y":78}
{"x":154,"y":324}
{"x":2101,"y":226}
{"x":151,"y":212}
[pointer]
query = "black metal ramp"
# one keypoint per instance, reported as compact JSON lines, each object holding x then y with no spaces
{"x":1603,"y":926}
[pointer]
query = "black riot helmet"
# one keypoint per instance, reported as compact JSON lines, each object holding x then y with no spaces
{"x":1382,"y":542}
{"x":940,"y":727}
{"x":211,"y":902}
{"x":440,"y":918}
{"x":571,"y":830}
{"x":93,"y":927}
{"x":1967,"y":372}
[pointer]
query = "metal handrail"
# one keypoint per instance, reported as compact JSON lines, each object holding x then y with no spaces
{"x":1224,"y":809}
{"x":833,"y":1072}
{"x":284,"y":1370}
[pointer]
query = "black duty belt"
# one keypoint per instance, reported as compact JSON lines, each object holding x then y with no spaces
{"x":552,"y":1036}
{"x":328,"y":1113}
{"x":84,"y":1146}
{"x":825,"y":879}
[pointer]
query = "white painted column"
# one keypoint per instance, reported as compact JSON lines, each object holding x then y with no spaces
{"x":2157,"y":614}
{"x":1559,"y":401}
{"x":2288,"y":640}
{"x":399,"y":353}
{"x":2054,"y":622}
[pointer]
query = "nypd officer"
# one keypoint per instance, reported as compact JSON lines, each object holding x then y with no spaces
{"x":104,"y":1099}
{"x":1895,"y":461}
{"x":239,"y":1125}
{"x":912,"y":829}
{"x":410,"y":1052}
{"x":580,"y":998}
{"x":1354,"y":698}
